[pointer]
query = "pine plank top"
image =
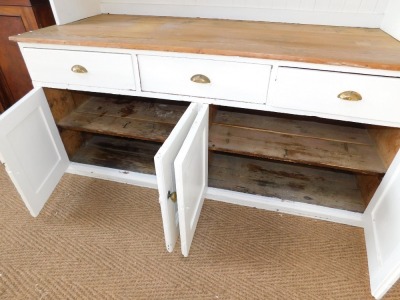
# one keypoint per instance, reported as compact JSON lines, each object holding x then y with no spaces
{"x":345,"y":46}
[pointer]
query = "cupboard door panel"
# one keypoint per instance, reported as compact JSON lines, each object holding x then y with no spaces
{"x":164,"y":164}
{"x":191,"y":173}
{"x":32,"y":150}
{"x":382,"y":232}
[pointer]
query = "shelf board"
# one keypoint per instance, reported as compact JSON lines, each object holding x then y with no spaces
{"x":118,"y":153}
{"x":339,"y":146}
{"x":330,"y":188}
{"x":129,"y":117}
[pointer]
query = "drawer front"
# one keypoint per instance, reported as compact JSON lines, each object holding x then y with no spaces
{"x":246,"y":82}
{"x":318,"y":91}
{"x":104,"y":70}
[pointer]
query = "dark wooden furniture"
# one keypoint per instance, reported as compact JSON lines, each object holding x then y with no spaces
{"x":18,"y":16}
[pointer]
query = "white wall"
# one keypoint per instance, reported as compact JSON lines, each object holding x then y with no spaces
{"x":66,"y":11}
{"x":363,"y":13}
{"x":391,"y":21}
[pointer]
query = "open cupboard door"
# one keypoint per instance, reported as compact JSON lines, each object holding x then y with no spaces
{"x":164,"y":164}
{"x":191,"y":173}
{"x":382,"y":232}
{"x":31,"y":149}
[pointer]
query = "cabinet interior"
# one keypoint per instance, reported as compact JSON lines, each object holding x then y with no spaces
{"x":306,"y":159}
{"x":113,"y":131}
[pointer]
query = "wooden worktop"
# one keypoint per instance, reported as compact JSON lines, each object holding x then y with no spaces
{"x":359,"y":47}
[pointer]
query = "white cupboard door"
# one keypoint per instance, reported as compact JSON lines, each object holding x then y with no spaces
{"x":191,"y":173}
{"x":382,"y":232}
{"x":164,"y":164}
{"x":32,"y":150}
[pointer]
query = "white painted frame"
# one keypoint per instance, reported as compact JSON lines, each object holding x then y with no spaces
{"x":268,"y":106}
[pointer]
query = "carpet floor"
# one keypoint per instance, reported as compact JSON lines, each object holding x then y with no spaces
{"x":100,"y":240}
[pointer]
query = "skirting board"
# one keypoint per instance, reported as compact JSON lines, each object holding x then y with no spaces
{"x":260,"y":202}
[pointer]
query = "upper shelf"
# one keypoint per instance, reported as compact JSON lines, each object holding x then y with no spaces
{"x":345,"y":46}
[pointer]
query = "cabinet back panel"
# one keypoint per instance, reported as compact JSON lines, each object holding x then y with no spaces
{"x":365,"y":13}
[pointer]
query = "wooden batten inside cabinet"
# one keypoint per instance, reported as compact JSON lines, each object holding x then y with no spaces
{"x":63,"y":102}
{"x":387,"y":140}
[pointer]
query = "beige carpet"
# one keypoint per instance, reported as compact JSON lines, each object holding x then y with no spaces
{"x":101,"y":240}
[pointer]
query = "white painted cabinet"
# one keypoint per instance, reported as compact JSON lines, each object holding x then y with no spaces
{"x":35,"y":158}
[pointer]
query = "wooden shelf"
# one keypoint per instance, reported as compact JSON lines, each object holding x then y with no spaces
{"x":334,"y":145}
{"x":130,"y":117}
{"x":118,"y":153}
{"x":311,"y":185}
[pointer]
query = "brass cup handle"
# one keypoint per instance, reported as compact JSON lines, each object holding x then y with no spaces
{"x":199,"y":78}
{"x":350,"y":96}
{"x":79,"y":69}
{"x":172,"y":196}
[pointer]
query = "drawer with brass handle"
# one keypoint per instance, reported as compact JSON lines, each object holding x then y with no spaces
{"x":338,"y":95}
{"x":206,"y":78}
{"x":80,"y":68}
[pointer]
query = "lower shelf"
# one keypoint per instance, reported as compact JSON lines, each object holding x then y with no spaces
{"x":313,"y":185}
{"x":118,"y":153}
{"x":330,"y":188}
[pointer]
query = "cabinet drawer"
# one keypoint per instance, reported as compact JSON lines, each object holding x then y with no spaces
{"x":318,"y":91}
{"x":105,"y":70}
{"x":228,"y":80}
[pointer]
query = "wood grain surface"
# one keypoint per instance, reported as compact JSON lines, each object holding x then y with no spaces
{"x":359,"y":47}
{"x":126,"y":117}
{"x":279,"y":137}
{"x":118,"y":153}
{"x":286,"y":181}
